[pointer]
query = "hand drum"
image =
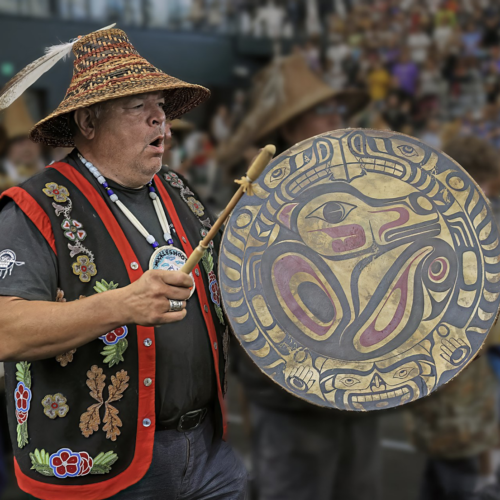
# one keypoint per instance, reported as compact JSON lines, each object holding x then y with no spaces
{"x":364,"y":273}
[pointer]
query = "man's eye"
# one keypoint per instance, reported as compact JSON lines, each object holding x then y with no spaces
{"x":332,"y":212}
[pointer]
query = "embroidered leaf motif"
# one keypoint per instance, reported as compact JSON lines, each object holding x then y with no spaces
{"x":90,"y":420}
{"x":207,"y":261}
{"x":104,"y":286}
{"x":220,"y":314}
{"x":95,"y":382}
{"x":22,"y":434}
{"x":112,"y":423}
{"x":67,"y":357}
{"x":23,"y":373}
{"x":40,"y":462}
{"x":103,"y":462}
{"x":113,"y":354}
{"x":111,"y":419}
{"x":119,"y":384}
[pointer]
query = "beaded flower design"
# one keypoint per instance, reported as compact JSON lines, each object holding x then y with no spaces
{"x":73,"y":230}
{"x":59,"y":193}
{"x":84,"y":267}
{"x":55,"y":406}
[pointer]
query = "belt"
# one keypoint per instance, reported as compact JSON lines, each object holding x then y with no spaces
{"x":187,"y":422}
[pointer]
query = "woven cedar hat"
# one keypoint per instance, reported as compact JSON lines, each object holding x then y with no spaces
{"x":107,"y":66}
{"x":283,"y":90}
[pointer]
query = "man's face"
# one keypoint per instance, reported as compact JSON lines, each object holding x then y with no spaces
{"x":130,"y":135}
{"x":318,"y":120}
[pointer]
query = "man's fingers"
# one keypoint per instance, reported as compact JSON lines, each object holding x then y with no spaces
{"x":172,"y":317}
{"x":176,"y":278}
{"x":176,"y":293}
{"x":183,"y":302}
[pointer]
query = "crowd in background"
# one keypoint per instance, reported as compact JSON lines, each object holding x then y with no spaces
{"x":431,"y":67}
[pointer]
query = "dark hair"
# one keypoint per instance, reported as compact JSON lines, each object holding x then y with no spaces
{"x":477,"y":156}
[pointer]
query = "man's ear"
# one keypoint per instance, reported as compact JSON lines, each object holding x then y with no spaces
{"x":85,"y":121}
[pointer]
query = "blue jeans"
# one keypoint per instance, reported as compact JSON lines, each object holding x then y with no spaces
{"x":193,"y":465}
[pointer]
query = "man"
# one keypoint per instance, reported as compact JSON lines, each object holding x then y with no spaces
{"x":119,"y":389}
{"x":301,"y":451}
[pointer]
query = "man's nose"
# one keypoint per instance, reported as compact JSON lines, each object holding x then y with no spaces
{"x":157,"y":116}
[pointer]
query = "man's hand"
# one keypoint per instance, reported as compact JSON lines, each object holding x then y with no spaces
{"x":146,"y":302}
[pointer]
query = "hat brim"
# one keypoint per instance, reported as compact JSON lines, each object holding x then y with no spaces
{"x":180,"y":97}
{"x":353,"y":100}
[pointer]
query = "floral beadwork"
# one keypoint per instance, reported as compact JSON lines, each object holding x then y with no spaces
{"x":114,"y":336}
{"x":116,"y":343}
{"x":84,"y":267}
{"x":208,"y":264}
{"x":208,"y":260}
{"x":174,"y":180}
{"x":22,"y":397}
{"x":59,"y":193}
{"x":73,"y":230}
{"x":196,"y":207}
{"x":66,"y":463}
{"x":55,"y":406}
{"x":203,"y":233}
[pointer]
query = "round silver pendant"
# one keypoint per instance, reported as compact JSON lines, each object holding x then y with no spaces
{"x":169,"y":258}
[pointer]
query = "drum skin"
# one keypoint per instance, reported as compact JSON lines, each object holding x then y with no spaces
{"x":364,"y":272}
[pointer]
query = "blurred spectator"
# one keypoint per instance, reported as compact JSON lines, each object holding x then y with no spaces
{"x":406,"y":73}
{"x":221,"y":124}
{"x":378,"y":81}
{"x":301,"y":451}
{"x":23,"y":158}
{"x":458,"y":425}
{"x":419,"y":43}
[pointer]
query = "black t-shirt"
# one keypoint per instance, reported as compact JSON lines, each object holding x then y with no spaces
{"x":185,"y":378}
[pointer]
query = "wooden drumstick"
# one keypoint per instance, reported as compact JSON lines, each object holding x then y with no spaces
{"x":258,"y":166}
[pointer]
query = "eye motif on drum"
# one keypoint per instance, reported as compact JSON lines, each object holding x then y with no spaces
{"x":366,"y":271}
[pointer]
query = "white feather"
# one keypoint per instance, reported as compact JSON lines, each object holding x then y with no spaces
{"x":31,"y":73}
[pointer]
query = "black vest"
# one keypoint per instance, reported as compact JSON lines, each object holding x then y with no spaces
{"x":87,"y":454}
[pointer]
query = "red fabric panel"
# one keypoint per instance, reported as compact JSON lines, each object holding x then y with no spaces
{"x":200,"y":290}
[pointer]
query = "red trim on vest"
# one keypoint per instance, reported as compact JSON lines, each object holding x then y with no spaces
{"x":147,"y":358}
{"x":200,"y":290}
{"x":33,"y":211}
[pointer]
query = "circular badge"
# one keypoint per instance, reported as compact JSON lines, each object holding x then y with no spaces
{"x":365,"y":271}
{"x":169,"y":258}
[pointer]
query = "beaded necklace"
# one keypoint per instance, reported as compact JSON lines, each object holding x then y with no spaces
{"x":165,"y":257}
